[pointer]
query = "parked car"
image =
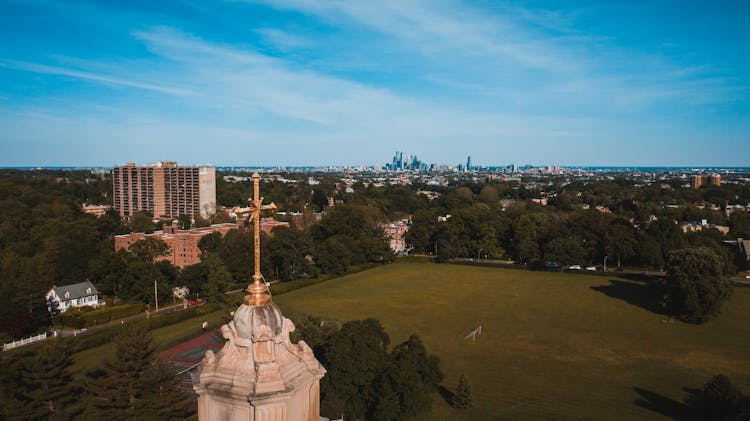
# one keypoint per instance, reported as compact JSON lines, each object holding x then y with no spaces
{"x":574,"y":267}
{"x":591,"y":268}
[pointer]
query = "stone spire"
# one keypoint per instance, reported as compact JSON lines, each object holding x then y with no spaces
{"x":259,"y":374}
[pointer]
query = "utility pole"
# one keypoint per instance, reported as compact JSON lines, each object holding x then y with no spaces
{"x":156,"y":297}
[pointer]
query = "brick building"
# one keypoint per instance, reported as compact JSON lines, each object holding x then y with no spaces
{"x":395,"y":231}
{"x":183,"y":244}
{"x":165,"y":189}
{"x":697,"y":181}
{"x":96,"y":210}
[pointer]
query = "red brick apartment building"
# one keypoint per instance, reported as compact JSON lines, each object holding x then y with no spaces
{"x":697,"y":181}
{"x":395,"y":231}
{"x":183,"y":244}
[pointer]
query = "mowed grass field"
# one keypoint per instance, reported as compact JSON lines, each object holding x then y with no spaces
{"x":553,"y":345}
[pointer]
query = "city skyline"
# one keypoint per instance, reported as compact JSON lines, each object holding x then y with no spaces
{"x":300,"y":83}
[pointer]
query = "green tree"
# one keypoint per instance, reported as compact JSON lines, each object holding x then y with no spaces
{"x":406,"y":386}
{"x":488,"y":194}
{"x":528,"y":232}
{"x":313,"y":330}
{"x":319,"y":199}
{"x":462,"y":397}
{"x":288,"y":250}
{"x":117,"y":389}
{"x":219,"y":279}
{"x":565,"y":251}
{"x":465,"y":194}
{"x":236,"y":252}
{"x":355,"y":357}
{"x":148,"y":249}
{"x":185,"y":221}
{"x":142,"y":222}
{"x":201,"y":222}
{"x":334,"y":255}
{"x":194,"y":276}
{"x":421,"y":234}
{"x":134,"y":384}
{"x":161,"y":398}
{"x":356,"y":228}
{"x":739,"y":223}
{"x":210,"y":243}
{"x":620,"y":240}
{"x":46,"y":386}
{"x":719,"y":400}
{"x":695,"y":287}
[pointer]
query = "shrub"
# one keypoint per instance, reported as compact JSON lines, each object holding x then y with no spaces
{"x":719,"y":400}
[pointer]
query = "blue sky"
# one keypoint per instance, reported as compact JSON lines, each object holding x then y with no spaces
{"x":302,"y":82}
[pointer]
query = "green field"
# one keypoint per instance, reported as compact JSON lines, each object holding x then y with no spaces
{"x":553,"y":345}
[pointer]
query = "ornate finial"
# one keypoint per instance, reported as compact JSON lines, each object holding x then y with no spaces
{"x":258,"y":292}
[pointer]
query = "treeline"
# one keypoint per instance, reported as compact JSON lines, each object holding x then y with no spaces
{"x":630,"y":233}
{"x":46,"y":240}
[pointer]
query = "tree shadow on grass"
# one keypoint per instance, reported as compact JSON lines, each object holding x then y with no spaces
{"x":662,"y":404}
{"x":446,"y":394}
{"x":640,"y":294}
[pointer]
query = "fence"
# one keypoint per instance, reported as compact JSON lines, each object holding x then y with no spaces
{"x":21,"y":342}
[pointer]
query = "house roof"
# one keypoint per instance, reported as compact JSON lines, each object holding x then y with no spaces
{"x":76,"y":290}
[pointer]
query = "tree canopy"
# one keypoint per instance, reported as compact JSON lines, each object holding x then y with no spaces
{"x":696,"y":286}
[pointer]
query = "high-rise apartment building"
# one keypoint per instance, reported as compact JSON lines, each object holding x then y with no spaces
{"x":697,"y":181}
{"x":165,"y":189}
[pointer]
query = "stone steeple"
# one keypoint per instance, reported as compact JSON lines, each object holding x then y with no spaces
{"x":259,"y":375}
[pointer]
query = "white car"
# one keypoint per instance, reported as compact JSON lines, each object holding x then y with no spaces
{"x":574,"y":267}
{"x":590,"y":267}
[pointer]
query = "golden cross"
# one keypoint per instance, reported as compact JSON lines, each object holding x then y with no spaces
{"x":257,"y":289}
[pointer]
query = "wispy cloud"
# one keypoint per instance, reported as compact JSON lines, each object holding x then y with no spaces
{"x":285,"y":40}
{"x":501,"y":51}
{"x":92,"y":77}
{"x":441,"y":78}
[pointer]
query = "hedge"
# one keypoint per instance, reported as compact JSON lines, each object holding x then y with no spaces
{"x":80,"y":319}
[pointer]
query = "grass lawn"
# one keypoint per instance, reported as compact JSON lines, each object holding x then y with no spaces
{"x":94,"y":357}
{"x":553,"y":345}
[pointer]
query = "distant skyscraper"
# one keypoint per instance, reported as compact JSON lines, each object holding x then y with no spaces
{"x":165,"y":189}
{"x":468,"y":163}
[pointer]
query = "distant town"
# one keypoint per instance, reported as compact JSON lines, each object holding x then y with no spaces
{"x":165,"y":248}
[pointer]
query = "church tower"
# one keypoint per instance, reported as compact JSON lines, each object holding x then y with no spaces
{"x":259,"y":375}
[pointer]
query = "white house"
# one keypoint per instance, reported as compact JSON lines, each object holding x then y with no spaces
{"x":60,"y":299}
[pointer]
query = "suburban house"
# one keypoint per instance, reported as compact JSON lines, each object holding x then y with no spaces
{"x":60,"y":299}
